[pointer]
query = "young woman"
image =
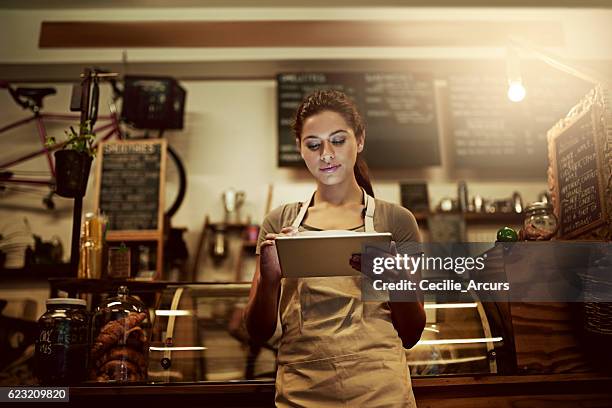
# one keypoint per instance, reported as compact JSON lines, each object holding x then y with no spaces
{"x":334,"y":350}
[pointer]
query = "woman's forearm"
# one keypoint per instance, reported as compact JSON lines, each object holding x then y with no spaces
{"x":408,"y":311}
{"x":262,"y":309}
{"x":409,"y":320}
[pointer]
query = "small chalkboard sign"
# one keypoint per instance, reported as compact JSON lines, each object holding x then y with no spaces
{"x":130,"y":190}
{"x":398,"y":108}
{"x":415,"y":197}
{"x":579,"y":175}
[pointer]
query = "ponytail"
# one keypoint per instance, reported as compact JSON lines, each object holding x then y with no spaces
{"x":362,"y":175}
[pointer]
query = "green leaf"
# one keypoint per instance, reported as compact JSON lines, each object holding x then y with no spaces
{"x":82,"y":141}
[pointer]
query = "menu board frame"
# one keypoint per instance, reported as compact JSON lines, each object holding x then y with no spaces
{"x":594,"y":107}
{"x":136,"y":234}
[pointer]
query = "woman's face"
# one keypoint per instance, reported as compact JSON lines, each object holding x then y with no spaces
{"x":329,"y":147}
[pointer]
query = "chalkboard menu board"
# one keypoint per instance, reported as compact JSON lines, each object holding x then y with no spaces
{"x":398,"y":108}
{"x":578,"y":178}
{"x":489,"y":131}
{"x":130,"y":184}
{"x":579,"y":169}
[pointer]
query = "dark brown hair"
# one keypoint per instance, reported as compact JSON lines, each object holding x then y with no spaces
{"x":339,"y":102}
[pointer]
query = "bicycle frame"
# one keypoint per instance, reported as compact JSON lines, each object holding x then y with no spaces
{"x":111,"y":128}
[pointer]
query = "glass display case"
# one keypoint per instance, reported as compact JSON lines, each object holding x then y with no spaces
{"x":198,"y":335}
{"x":462,"y":338}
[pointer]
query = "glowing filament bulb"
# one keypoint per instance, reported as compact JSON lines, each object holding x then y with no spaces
{"x":516,"y":91}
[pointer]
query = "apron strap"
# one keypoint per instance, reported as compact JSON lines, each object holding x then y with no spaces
{"x":302,"y":213}
{"x":370,"y":204}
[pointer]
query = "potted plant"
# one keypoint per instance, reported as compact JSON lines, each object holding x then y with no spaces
{"x":73,"y":161}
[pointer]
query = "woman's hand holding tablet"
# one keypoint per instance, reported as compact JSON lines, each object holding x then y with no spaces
{"x":270,"y":266}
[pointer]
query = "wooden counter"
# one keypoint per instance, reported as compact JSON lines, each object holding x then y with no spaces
{"x":558,"y":390}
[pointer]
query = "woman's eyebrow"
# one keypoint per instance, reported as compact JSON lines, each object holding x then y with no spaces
{"x":330,"y":135}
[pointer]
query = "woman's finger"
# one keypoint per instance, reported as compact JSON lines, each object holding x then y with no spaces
{"x":355,"y":262}
{"x":290,"y":230}
{"x":267,"y":242}
{"x":393,"y":248}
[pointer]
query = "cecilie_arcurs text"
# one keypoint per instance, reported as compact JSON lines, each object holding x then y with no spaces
{"x":446,"y":285}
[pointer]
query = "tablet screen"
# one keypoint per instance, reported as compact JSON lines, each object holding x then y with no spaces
{"x":325,"y":253}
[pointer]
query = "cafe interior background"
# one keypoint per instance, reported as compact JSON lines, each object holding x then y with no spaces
{"x":230,"y":138}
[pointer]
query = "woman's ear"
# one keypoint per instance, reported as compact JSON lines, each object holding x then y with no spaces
{"x":360,"y":142}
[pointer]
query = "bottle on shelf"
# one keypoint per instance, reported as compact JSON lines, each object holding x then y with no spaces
{"x":92,"y":246}
{"x":506,"y":234}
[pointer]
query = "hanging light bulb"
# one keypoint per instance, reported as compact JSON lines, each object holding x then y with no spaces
{"x":516,"y":90}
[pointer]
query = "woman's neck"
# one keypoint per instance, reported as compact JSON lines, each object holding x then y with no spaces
{"x":339,"y":194}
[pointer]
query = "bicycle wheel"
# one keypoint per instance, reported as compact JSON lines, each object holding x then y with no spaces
{"x":176,"y":171}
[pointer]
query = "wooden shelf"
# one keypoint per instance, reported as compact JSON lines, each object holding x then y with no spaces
{"x":233,"y":232}
{"x":74,"y":285}
{"x":478,"y":218}
{"x":228,"y":226}
{"x":249,"y":244}
{"x":35,"y":272}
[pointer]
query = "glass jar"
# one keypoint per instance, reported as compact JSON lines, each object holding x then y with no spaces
{"x":61,"y":347}
{"x":120,"y":340}
{"x":540,"y":222}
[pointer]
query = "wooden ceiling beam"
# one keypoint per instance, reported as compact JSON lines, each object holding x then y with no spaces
{"x":113,"y":34}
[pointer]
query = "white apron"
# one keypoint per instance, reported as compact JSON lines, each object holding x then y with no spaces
{"x":335,"y":350}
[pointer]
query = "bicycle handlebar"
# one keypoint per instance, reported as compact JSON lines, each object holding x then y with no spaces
{"x":111,"y":78}
{"x":101,"y":74}
{"x":95,"y":101}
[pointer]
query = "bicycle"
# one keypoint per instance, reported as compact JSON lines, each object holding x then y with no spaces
{"x":110,"y":128}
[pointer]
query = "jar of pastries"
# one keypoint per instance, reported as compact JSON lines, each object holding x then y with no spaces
{"x":120,"y":340}
{"x":540,"y":222}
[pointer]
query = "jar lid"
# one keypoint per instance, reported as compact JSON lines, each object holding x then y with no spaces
{"x":538,"y":205}
{"x":122,"y":302}
{"x":66,"y":301}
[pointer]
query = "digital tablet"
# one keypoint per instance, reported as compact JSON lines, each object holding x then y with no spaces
{"x":323,"y":253}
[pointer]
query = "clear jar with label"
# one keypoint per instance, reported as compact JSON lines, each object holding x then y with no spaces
{"x":61,"y":347}
{"x":120,"y":340}
{"x":540,"y":222}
